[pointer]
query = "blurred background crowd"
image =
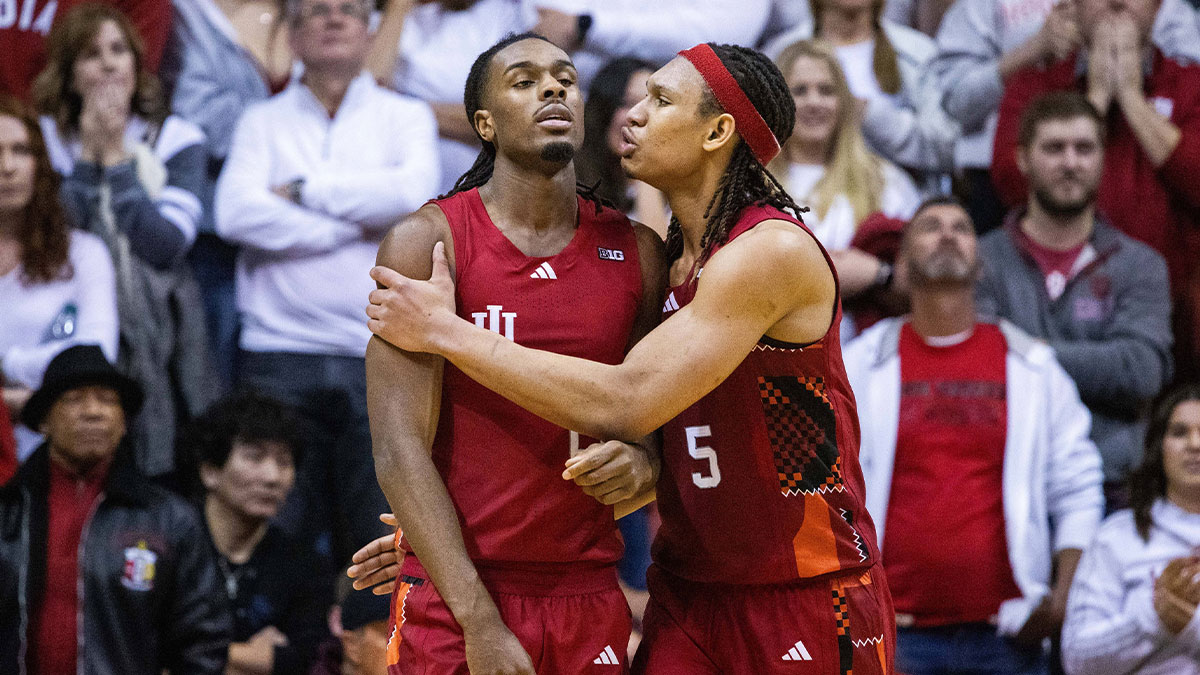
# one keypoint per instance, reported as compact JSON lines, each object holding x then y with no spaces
{"x":193,"y":191}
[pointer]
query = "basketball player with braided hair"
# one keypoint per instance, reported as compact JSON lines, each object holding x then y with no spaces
{"x":509,"y":542}
{"x":766,"y":561}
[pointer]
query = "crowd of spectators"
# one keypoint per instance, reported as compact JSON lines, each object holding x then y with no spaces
{"x":193,"y":191}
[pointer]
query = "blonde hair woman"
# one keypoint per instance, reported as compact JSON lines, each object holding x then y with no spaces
{"x":827,"y":166}
{"x":884,"y":64}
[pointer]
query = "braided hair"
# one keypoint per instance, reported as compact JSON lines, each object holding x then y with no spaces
{"x":746,"y":181}
{"x":481,"y":171}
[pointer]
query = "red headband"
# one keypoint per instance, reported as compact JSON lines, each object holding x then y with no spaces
{"x":750,"y":124}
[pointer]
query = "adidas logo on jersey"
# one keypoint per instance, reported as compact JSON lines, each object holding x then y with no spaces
{"x":544,"y":271}
{"x":671,"y":304}
{"x":797,"y":653}
{"x":607,"y":657}
{"x":610,"y":253}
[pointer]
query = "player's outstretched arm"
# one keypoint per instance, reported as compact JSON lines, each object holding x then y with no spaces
{"x":404,"y":392}
{"x":772,"y":281}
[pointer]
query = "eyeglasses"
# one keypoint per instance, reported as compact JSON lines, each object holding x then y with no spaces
{"x":321,"y":10}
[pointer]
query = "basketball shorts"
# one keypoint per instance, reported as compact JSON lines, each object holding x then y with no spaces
{"x":831,"y":626}
{"x":572,"y":623}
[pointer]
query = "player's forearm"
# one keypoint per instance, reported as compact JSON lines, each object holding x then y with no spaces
{"x":426,"y":515}
{"x":453,"y":123}
{"x":403,"y":403}
{"x":595,"y":399}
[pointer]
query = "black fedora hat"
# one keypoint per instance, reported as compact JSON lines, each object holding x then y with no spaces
{"x":79,"y":366}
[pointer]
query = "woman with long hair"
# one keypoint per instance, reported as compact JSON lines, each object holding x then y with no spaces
{"x":617,"y":87}
{"x":57,"y":286}
{"x":900,"y":109}
{"x":827,"y":166}
{"x":1133,"y":604}
{"x":132,"y":174}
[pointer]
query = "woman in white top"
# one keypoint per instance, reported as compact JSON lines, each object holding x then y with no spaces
{"x":827,"y":167}
{"x":57,"y":287}
{"x":1132,"y":607}
{"x":133,"y":175}
{"x":884,"y":64}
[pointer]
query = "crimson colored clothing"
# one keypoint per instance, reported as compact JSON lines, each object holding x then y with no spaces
{"x":71,"y":502}
{"x":719,"y":629}
{"x":760,"y":478}
{"x":24,"y":25}
{"x":1050,"y":261}
{"x":8,"y":446}
{"x":945,"y":552}
{"x":503,"y":465}
{"x":569,"y":623}
{"x":1159,"y":206}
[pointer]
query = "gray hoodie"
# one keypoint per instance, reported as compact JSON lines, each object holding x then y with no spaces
{"x":1110,"y":328}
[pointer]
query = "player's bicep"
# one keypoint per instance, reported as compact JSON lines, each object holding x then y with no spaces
{"x":404,"y":394}
{"x":686,"y":357}
{"x":408,"y":246}
{"x":404,"y":389}
{"x":745,"y":290}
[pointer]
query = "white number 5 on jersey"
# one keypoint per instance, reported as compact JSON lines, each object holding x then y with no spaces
{"x":703,"y":452}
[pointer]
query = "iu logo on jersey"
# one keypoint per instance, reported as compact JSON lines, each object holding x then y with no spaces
{"x":496,"y":320}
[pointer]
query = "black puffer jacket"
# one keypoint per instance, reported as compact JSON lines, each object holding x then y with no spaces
{"x":151,"y":599}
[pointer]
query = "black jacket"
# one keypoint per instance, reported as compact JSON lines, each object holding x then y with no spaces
{"x":151,"y":599}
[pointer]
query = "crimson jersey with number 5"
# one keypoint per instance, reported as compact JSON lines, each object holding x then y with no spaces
{"x":503,"y":465}
{"x":760,"y":480}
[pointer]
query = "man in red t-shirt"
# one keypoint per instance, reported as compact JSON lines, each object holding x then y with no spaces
{"x":1151,"y":106}
{"x":973,"y":441}
{"x":24,"y":25}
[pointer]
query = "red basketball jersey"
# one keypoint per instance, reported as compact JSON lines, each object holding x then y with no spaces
{"x":502,"y":464}
{"x":760,"y":480}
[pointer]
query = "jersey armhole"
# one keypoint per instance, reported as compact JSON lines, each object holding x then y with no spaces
{"x":461,"y":255}
{"x":837,"y":288}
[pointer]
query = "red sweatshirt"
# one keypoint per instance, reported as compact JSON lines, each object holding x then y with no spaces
{"x":24,"y":25}
{"x":1160,"y":207}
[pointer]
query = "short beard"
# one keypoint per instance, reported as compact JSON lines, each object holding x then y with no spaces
{"x":942,"y":270}
{"x":1064,"y":210}
{"x":558,"y":152}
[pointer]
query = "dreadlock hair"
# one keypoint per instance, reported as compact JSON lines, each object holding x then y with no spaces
{"x":746,"y":181}
{"x":481,"y":171}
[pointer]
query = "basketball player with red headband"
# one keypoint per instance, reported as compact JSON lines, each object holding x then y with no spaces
{"x":766,"y":561}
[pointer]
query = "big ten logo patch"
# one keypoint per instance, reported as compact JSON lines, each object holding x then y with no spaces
{"x":140,"y":567}
{"x":610,"y":254}
{"x":496,"y":320}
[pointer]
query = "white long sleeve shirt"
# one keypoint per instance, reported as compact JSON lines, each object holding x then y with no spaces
{"x":656,"y":30}
{"x":37,"y":323}
{"x":836,"y":229}
{"x":1051,"y":480}
{"x":302,"y":272}
{"x":1111,"y":626}
{"x":909,"y":128}
{"x":437,"y":48}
